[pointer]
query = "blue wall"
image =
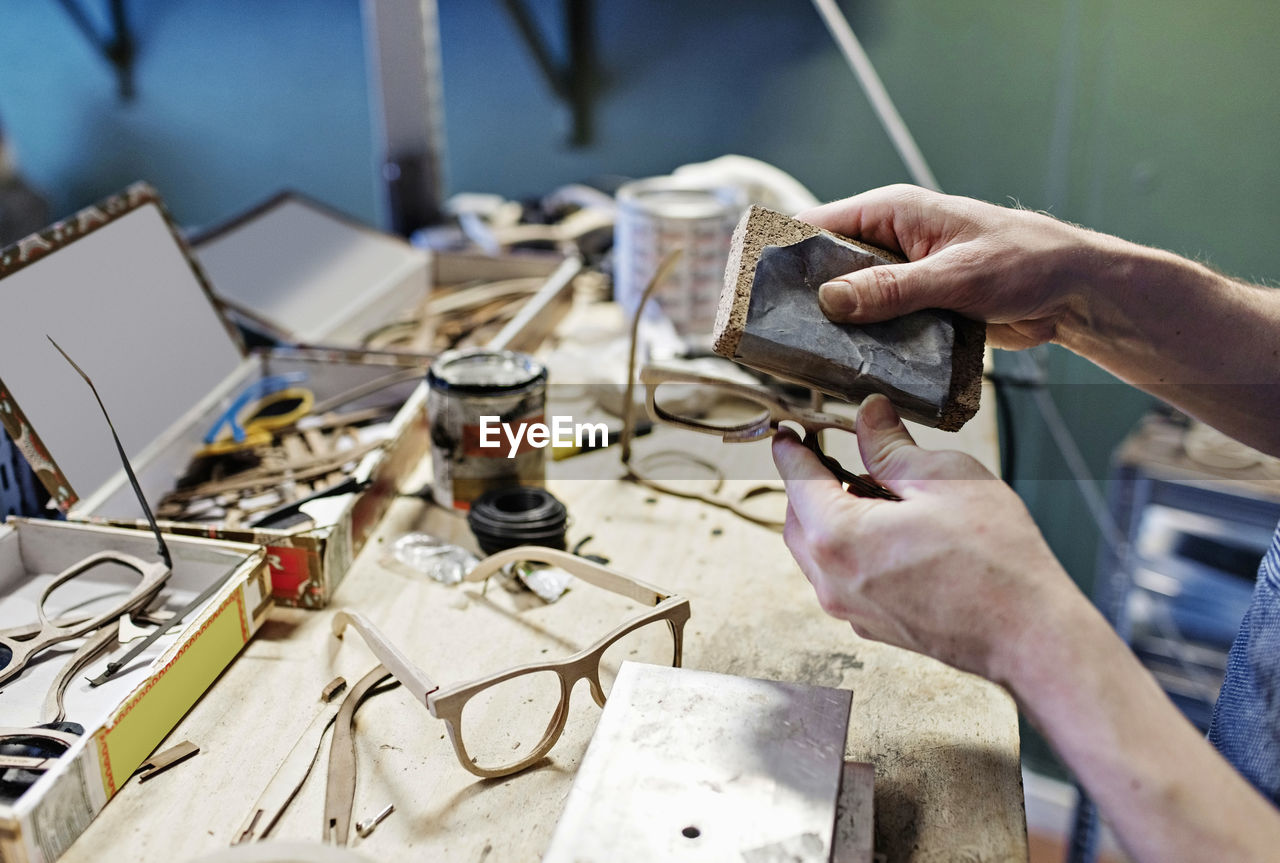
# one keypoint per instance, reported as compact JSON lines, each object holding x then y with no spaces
{"x":1153,"y":119}
{"x":235,"y":99}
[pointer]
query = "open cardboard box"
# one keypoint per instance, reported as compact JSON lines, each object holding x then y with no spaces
{"x":117,"y":289}
{"x":305,"y":274}
{"x":302,"y":274}
{"x":126,"y":717}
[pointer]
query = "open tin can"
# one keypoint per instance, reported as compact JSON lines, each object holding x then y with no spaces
{"x":477,"y":398}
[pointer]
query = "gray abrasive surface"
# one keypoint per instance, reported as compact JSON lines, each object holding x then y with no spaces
{"x":914,"y":352}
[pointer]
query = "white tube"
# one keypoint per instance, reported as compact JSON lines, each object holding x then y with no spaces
{"x":890,"y":119}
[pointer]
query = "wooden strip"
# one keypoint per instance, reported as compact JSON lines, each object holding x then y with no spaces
{"x":162,"y":761}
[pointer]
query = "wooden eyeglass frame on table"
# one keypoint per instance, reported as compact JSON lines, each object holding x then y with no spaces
{"x":447,"y":703}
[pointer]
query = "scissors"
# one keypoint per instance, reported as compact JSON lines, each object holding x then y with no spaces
{"x":774,"y":410}
{"x":267,"y":404}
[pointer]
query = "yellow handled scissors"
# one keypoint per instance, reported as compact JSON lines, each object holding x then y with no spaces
{"x":266,"y":405}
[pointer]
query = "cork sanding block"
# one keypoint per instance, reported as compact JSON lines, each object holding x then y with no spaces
{"x":929,"y":363}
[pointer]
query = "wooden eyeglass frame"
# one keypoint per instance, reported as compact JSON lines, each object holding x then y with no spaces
{"x":774,"y":411}
{"x":47,"y":632}
{"x":447,"y":703}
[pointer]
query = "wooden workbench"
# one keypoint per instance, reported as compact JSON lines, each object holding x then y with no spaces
{"x":944,"y":744}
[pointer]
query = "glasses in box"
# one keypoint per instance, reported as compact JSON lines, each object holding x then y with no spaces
{"x":19,"y":645}
{"x":505,"y":722}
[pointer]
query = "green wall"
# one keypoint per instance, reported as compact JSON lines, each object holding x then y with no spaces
{"x":1157,"y":121}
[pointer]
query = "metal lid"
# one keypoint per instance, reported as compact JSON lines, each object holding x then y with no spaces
{"x":482,"y":371}
{"x":676,"y":198}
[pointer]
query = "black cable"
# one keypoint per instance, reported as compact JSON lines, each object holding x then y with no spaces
{"x":162,"y":550}
{"x":1008,"y":436}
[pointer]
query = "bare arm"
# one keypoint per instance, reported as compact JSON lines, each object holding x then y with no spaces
{"x":1206,"y":343}
{"x":957,"y":570}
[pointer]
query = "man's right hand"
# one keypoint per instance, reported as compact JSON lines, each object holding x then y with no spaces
{"x":1021,"y":272}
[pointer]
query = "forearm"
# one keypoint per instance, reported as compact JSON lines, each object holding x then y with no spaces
{"x":1164,"y":790}
{"x":1203,"y":342}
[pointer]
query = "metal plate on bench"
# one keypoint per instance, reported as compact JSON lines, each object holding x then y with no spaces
{"x":692,"y":765}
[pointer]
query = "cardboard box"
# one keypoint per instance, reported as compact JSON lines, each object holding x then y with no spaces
{"x":116,"y":287}
{"x":126,"y":717}
{"x":308,"y":275}
{"x":300,"y":273}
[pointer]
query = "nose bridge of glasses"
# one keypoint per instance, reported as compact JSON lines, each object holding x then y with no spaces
{"x":592,"y":677}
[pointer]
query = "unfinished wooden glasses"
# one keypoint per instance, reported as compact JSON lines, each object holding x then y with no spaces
{"x":762,"y":414}
{"x":16,"y":650}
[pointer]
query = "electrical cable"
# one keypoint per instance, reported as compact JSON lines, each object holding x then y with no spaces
{"x":1008,"y":437}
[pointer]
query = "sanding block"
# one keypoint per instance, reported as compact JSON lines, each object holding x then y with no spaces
{"x":929,"y":363}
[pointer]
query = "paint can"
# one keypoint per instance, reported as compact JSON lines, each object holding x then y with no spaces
{"x":465,"y":386}
{"x":659,"y":214}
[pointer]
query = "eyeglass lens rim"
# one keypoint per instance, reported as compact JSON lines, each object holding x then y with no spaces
{"x":448,"y":705}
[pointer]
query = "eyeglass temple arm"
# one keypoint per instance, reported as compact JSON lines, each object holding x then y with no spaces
{"x":592,"y":573}
{"x":400,"y":666}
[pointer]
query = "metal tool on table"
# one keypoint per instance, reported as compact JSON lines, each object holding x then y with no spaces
{"x":691,"y":765}
{"x":769,"y":412}
{"x":368,"y":825}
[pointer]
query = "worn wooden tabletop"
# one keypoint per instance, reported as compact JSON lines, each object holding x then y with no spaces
{"x":944,"y":744}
